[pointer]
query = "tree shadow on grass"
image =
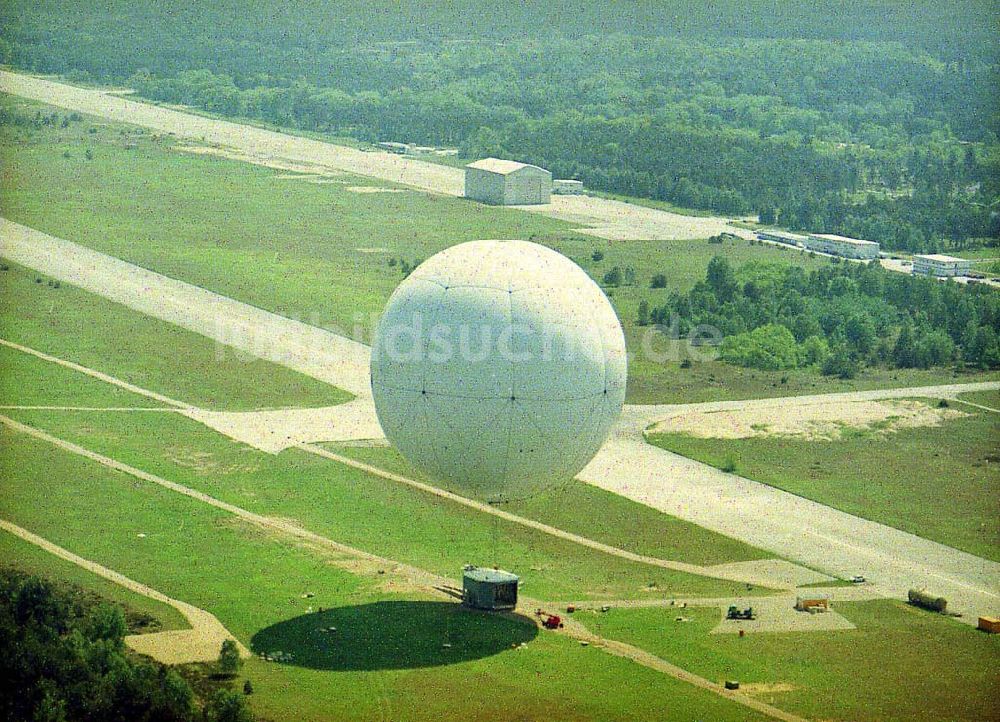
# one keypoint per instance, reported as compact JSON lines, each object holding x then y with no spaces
{"x":391,"y":635}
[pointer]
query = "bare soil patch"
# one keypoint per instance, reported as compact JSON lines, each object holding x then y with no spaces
{"x":205,"y":464}
{"x":273,"y":431}
{"x":296,"y":170}
{"x":375,"y":189}
{"x":778,"y":614}
{"x":619,"y":221}
{"x":766,"y":687}
{"x":821,"y":421}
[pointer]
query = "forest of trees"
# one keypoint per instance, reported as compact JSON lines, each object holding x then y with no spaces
{"x":839,"y":319}
{"x":64,"y":660}
{"x":884,"y":129}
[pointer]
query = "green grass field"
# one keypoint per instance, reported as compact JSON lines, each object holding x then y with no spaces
{"x":983,"y":398}
{"x":74,"y":325}
{"x":938,"y":482}
{"x":597,"y":514}
{"x":253,"y":582}
{"x":55,"y":385}
{"x":291,"y":246}
{"x":901,"y":663}
{"x":986,"y":253}
{"x":365,"y":511}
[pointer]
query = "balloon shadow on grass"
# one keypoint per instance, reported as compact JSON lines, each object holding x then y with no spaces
{"x":391,"y":635}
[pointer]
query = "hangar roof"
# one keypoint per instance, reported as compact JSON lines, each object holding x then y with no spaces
{"x":940,"y":258}
{"x":502,"y":167}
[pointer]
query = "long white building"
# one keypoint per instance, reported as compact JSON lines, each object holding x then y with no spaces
{"x":936,"y":264}
{"x":842,"y":246}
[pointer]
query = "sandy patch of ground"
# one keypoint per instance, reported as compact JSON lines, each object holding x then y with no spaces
{"x":813,"y":421}
{"x":391,"y":578}
{"x":375,"y":189}
{"x":855,"y":593}
{"x":204,"y":463}
{"x":183,"y":646}
{"x":297,"y":170}
{"x":770,"y":572}
{"x":273,"y":431}
{"x":619,"y":221}
{"x":766,"y":687}
{"x":778,"y":614}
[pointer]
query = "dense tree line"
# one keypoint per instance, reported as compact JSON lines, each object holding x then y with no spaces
{"x":884,"y":132}
{"x":65,"y":660}
{"x":839,"y":318}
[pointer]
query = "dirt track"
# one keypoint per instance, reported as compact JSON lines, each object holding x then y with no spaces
{"x":737,"y":573}
{"x":201,"y":643}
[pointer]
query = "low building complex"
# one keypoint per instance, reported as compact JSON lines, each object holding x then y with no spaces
{"x":392,"y":147}
{"x":567,"y":187}
{"x":507,"y":183}
{"x":791,"y":239}
{"x":842,"y":246}
{"x":935,"y":264}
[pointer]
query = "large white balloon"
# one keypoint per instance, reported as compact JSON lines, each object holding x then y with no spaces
{"x":498,"y":368}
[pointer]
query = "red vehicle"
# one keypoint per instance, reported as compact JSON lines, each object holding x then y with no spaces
{"x":550,"y":621}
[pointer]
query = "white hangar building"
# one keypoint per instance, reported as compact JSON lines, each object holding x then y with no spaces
{"x":507,"y":183}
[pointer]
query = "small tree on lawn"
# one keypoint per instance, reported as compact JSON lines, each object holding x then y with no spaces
{"x":613,"y":277}
{"x":229,"y":659}
{"x":643,"y":319}
{"x":227,"y":706}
